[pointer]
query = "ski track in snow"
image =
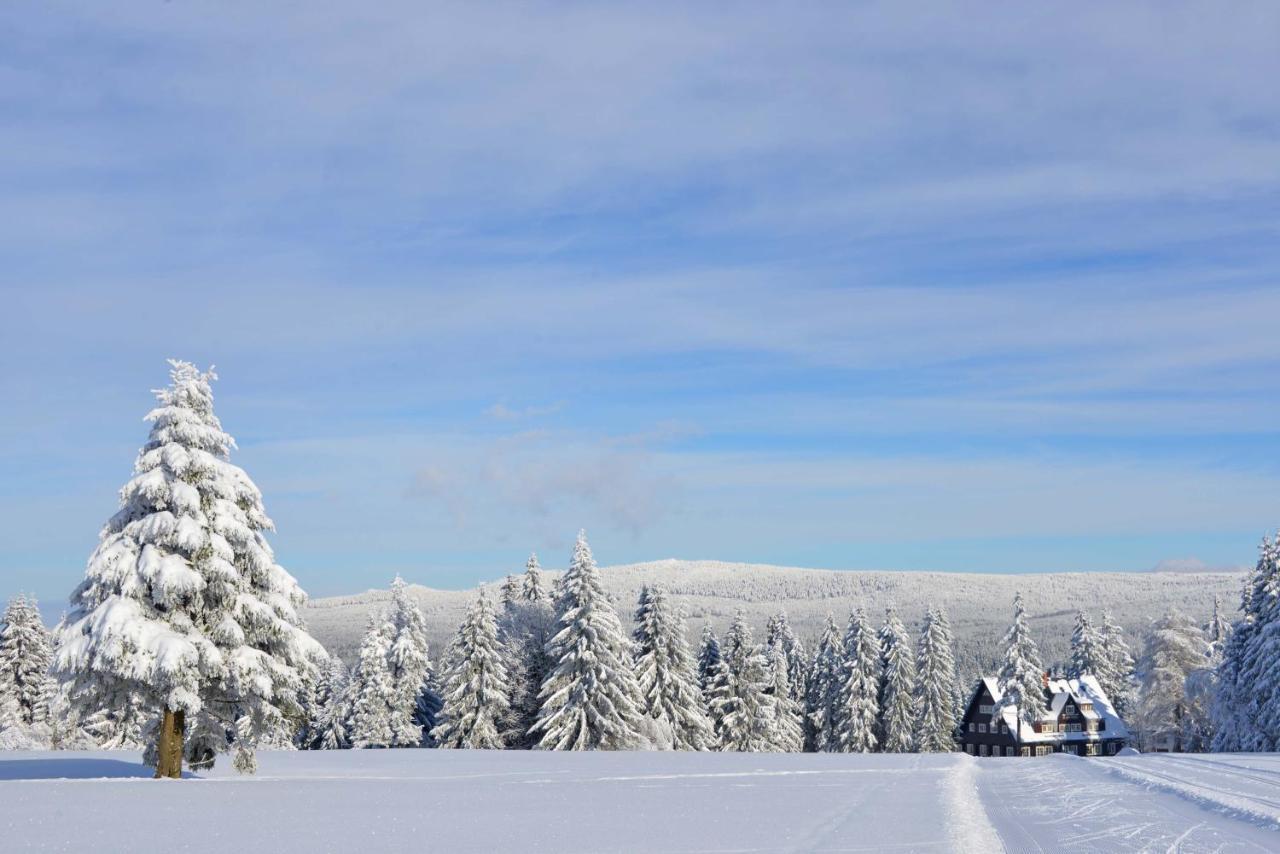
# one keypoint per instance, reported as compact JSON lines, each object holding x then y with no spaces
{"x":403,"y":800}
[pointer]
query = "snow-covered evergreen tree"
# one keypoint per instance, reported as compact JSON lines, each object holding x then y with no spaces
{"x":778,"y":634}
{"x":897,"y":686}
{"x":532,"y":588}
{"x":1116,"y":667}
{"x":183,"y":603}
{"x":1233,"y":709}
{"x":1021,"y":678}
{"x":1219,"y":628}
{"x":665,"y":672}
{"x":856,"y":713}
{"x":787,"y":729}
{"x":741,"y":706}
{"x":826,"y":677}
{"x":708,"y":660}
{"x":936,"y":686}
{"x":511,"y":587}
{"x":373,"y":693}
{"x":25,"y":686}
{"x":476,"y":702}
{"x":1174,"y":650}
{"x":524,"y":630}
{"x":333,"y":705}
{"x":1087,"y":655}
{"x":590,"y":700}
{"x":409,"y":664}
{"x":1258,"y":680}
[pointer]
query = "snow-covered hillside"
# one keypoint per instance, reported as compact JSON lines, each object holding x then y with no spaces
{"x":980,"y":606}
{"x":536,"y":801}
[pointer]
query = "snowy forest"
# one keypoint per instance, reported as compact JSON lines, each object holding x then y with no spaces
{"x":187,"y":640}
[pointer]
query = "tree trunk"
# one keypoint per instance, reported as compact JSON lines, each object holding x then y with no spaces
{"x":169,"y":745}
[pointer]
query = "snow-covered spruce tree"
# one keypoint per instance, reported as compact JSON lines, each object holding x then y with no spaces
{"x":1233,"y":711}
{"x":333,"y":708}
{"x":856,"y":712}
{"x":25,"y":686}
{"x":1174,"y":650}
{"x":741,"y":706}
{"x":788,"y":716}
{"x":665,"y":672}
{"x":708,"y":660}
{"x":373,"y":694}
{"x":897,"y":686}
{"x":510,"y":590}
{"x":1087,"y":656}
{"x":476,"y":702}
{"x":183,"y":603}
{"x":821,"y":704}
{"x":1116,"y":667}
{"x":935,"y":686}
{"x":590,"y":700}
{"x":532,"y":588}
{"x":1219,"y":628}
{"x":409,"y":663}
{"x":1258,"y":682}
{"x":1021,"y":678}
{"x":524,"y":629}
{"x":778,"y":633}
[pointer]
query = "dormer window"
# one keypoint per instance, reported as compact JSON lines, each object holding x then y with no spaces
{"x":1070,"y":709}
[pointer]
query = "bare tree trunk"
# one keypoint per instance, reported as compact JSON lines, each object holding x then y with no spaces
{"x":169,"y":745}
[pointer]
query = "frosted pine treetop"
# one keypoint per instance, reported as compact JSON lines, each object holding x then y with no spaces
{"x":183,"y":600}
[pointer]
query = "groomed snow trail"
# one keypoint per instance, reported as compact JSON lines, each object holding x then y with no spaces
{"x":1144,"y":803}
{"x":413,"y":800}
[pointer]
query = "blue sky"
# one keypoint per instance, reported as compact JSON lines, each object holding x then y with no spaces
{"x":837,"y":285}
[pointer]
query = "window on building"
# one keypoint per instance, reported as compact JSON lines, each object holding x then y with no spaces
{"x":1111,"y":749}
{"x":1026,"y":751}
{"x":985,"y":708}
{"x":1070,"y":709}
{"x":982,"y":727}
{"x":1048,"y":727}
{"x":972,"y":727}
{"x":1073,"y":749}
{"x":1009,"y":751}
{"x":1091,"y":750}
{"x":982,"y":750}
{"x":1043,"y":750}
{"x":968,"y":748}
{"x":1071,"y":728}
{"x":1091,"y":726}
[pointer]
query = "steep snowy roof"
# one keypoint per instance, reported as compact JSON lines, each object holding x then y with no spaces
{"x":1081,"y":691}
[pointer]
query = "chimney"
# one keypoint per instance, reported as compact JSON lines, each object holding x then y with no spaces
{"x":1044,"y":680}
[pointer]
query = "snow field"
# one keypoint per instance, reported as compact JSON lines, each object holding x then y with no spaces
{"x":534,"y":801}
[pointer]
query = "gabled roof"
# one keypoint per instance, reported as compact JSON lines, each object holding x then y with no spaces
{"x":1082,"y":690}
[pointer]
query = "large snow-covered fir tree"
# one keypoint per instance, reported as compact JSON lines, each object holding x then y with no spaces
{"x":741,"y":706}
{"x":476,"y":699}
{"x":183,"y":604}
{"x":1021,"y":678}
{"x":856,"y":713}
{"x":1116,"y":667}
{"x":936,"y":686}
{"x":665,"y":672}
{"x":26,"y":689}
{"x":897,"y":686}
{"x":590,"y":700}
{"x":373,"y":694}
{"x":821,"y":703}
{"x":778,"y":634}
{"x":1174,"y":650}
{"x":1087,"y":654}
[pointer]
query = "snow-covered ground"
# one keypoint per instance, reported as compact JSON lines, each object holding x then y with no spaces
{"x":418,"y":800}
